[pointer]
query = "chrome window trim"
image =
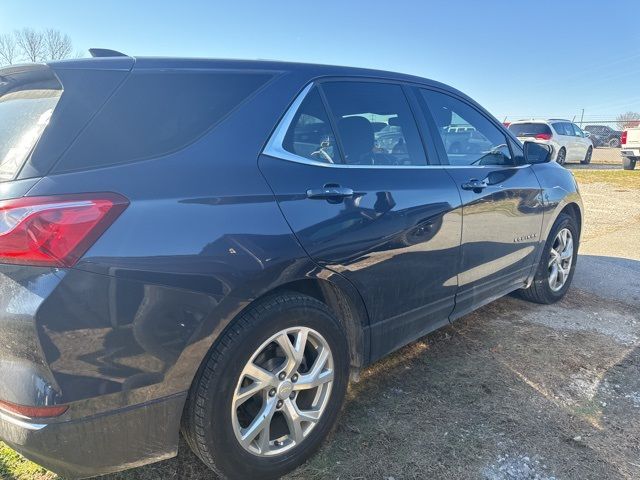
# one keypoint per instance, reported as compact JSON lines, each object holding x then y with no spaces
{"x":274,"y":147}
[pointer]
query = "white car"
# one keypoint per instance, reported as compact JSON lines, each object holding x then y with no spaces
{"x":569,"y":142}
{"x":630,"y":148}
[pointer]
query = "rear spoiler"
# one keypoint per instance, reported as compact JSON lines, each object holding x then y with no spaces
{"x":105,"y":52}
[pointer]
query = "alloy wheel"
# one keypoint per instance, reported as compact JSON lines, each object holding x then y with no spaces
{"x":560,"y":259}
{"x":562,"y":155}
{"x":282,"y":392}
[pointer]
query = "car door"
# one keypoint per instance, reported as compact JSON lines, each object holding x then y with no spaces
{"x":582,"y":143}
{"x":501,"y":198}
{"x":349,"y":170}
{"x":570,"y":141}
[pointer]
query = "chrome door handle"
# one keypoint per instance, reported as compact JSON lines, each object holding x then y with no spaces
{"x":475,"y":185}
{"x":329,"y":192}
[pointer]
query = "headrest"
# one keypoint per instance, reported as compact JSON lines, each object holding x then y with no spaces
{"x":357,"y":137}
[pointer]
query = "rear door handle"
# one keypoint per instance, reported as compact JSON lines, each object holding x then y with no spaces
{"x":330,"y":192}
{"x":475,"y":185}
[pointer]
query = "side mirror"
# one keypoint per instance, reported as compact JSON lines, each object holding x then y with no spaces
{"x":536,"y":153}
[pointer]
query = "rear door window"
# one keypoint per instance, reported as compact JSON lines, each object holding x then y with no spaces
{"x":28,"y":98}
{"x":310,"y":134}
{"x":375,"y":123}
{"x":577,"y":131}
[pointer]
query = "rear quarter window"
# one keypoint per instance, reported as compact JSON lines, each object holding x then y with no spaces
{"x":157,"y":113}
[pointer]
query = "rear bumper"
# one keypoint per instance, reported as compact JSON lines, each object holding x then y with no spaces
{"x":101,"y":444}
{"x":630,"y":152}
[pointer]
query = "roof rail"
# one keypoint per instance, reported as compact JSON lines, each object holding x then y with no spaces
{"x":105,"y":52}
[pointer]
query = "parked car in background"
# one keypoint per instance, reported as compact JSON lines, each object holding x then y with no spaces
{"x":568,"y":141}
{"x":630,"y":150}
{"x":603,"y":136}
{"x":212,"y":247}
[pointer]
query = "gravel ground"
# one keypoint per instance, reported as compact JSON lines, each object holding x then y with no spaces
{"x":603,"y":158}
{"x":513,"y":391}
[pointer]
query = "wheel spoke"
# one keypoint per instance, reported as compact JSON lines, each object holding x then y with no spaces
{"x":258,"y":374}
{"x":317,"y":375}
{"x":562,"y":238}
{"x":568,"y":250}
{"x":245,"y":393}
{"x":553,"y":255}
{"x":264,"y":440}
{"x":295,"y":351}
{"x":259,"y":423}
{"x":553,"y":276}
{"x":295,"y":417}
{"x":560,"y":277}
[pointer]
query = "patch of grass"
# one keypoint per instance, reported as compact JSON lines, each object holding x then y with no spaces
{"x":619,"y":178}
{"x":14,"y":466}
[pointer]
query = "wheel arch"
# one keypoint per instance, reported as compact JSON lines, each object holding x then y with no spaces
{"x":350,"y":311}
{"x":574,"y":211}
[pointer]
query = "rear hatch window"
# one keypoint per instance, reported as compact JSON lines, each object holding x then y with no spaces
{"x":529,"y":129}
{"x":28,"y":97}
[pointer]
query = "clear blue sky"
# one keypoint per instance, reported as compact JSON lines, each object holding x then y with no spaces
{"x":517,"y":58}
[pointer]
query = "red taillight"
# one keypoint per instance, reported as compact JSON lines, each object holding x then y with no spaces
{"x":543,"y":136}
{"x":33,"y":412}
{"x":623,"y":138}
{"x":56,"y":230}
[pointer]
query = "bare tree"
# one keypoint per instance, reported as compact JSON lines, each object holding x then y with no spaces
{"x":8,"y":49}
{"x":32,"y":44}
{"x":628,"y":120}
{"x":57,"y":45}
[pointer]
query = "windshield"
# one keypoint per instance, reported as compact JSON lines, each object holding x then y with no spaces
{"x":27,"y":101}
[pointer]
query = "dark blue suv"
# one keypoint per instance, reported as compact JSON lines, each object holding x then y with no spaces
{"x":211,"y":247}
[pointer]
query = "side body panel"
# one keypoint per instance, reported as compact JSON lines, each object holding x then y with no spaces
{"x":397,"y":239}
{"x":500,"y":235}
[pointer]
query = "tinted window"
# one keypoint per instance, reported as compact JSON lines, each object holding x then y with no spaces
{"x":468,"y":136}
{"x":310,"y":133}
{"x":155,"y":114}
{"x":375,"y":123}
{"x":27,"y":101}
{"x":529,"y":129}
{"x":577,"y":131}
{"x":563,"y":128}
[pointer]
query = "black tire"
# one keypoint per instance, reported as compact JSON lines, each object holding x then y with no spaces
{"x":629,"y":163}
{"x":540,"y":291}
{"x":207,"y":425}
{"x":587,"y":157}
{"x":614,"y":142}
{"x":561,"y":158}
